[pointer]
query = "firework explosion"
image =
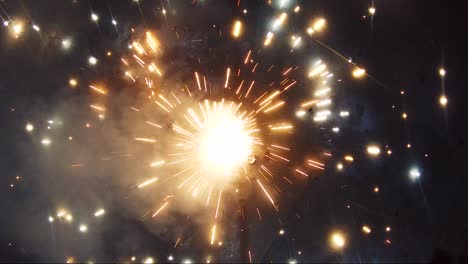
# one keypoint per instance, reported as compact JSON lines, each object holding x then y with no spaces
{"x":204,"y":139}
{"x":218,"y":134}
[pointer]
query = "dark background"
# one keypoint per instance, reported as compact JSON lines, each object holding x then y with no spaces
{"x":402,"y":48}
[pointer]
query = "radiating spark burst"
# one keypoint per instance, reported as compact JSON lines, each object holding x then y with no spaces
{"x":214,"y":138}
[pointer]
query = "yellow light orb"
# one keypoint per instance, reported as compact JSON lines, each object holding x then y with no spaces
{"x":366,"y":229}
{"x":443,"y":100}
{"x":72,"y":82}
{"x":319,"y":24}
{"x":373,"y":150}
{"x":237,"y":29}
{"x":442,"y":72}
{"x":359,"y":73}
{"x":337,"y":240}
{"x":29,"y":127}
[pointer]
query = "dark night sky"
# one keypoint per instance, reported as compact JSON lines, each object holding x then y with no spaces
{"x":402,"y":49}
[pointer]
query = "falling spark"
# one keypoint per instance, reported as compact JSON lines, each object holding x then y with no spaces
{"x":148,"y":140}
{"x":99,"y":212}
{"x":73,"y":82}
{"x":366,"y":229}
{"x":373,"y":150}
{"x":237,"y":29}
{"x":319,"y":24}
{"x":213,"y":234}
{"x":282,"y":127}
{"x":160,"y":209}
{"x":337,"y":240}
{"x":442,"y":72}
{"x":146,"y":183}
{"x":443,"y":100}
{"x":29,"y":127}
{"x":268,"y":39}
{"x":358,"y":73}
{"x":228,"y":72}
{"x":92,"y":61}
{"x":266,"y":193}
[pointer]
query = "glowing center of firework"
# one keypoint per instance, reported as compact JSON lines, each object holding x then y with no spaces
{"x":225,"y":143}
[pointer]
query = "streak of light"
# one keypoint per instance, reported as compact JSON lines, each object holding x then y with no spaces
{"x":274,"y":107}
{"x":282,"y":127}
{"x":271,"y":97}
{"x":268,"y":39}
{"x":322,"y":92}
{"x":278,"y":156}
{"x":247,"y":57}
{"x":319,"y":24}
{"x":160,"y":209}
{"x":309,"y":103}
{"x":317,"y":70}
{"x":300,"y":113}
{"x":217,"y":206}
{"x":267,"y":194}
{"x":148,"y":140}
{"x":228,"y":72}
{"x":324,"y":102}
{"x":157,"y":163}
{"x":213,"y":234}
{"x":373,"y":150}
{"x":237,"y":29}
{"x":359,"y":73}
{"x":349,"y":158}
{"x":302,"y":173}
{"x":279,"y":21}
{"x":46,"y":142}
{"x":366,"y":229}
{"x":250,"y":88}
{"x":280,"y":147}
{"x":259,"y":215}
{"x":162,"y":106}
{"x":99,"y":108}
{"x":97,"y":89}
{"x":198,"y":80}
{"x":344,"y":113}
{"x":99,"y":212}
{"x":153,"y":124}
{"x":94,"y":17}
{"x":146,"y":183}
